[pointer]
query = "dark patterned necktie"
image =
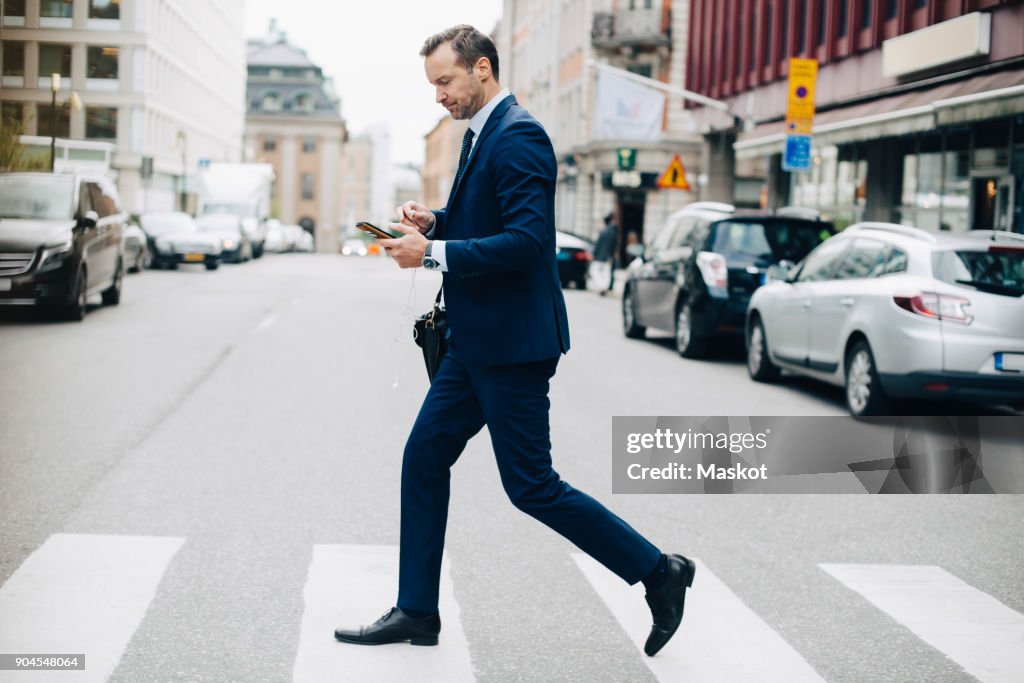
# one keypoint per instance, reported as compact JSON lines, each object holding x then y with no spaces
{"x":467,"y":145}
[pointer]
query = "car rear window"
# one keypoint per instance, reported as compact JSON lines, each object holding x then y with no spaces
{"x":763,"y":243}
{"x":998,"y":270}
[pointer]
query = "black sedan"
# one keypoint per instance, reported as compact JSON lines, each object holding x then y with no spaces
{"x":573,"y":255}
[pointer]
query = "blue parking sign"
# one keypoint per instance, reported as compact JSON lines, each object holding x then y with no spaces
{"x":798,"y":153}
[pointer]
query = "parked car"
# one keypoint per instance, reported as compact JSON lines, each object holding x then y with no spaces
{"x":227,"y":227}
{"x":293,"y":235}
{"x":304,"y":241}
{"x":573,"y":255}
{"x":696,"y":276}
{"x":174,"y":238}
{"x":893,"y":311}
{"x":354,"y":247}
{"x":60,"y":241}
{"x":136,"y":249}
{"x":277,"y":239}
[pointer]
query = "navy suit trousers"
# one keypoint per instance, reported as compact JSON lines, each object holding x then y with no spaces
{"x":512,"y":400}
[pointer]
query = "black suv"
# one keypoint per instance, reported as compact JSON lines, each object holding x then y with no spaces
{"x":697,"y":275}
{"x":60,"y":241}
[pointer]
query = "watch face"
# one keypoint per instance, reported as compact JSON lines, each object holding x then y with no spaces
{"x":429,"y":263}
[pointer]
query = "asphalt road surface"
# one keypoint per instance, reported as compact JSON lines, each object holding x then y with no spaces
{"x":201,"y":483}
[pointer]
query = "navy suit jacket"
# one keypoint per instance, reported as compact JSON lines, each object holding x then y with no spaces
{"x":502,"y":290}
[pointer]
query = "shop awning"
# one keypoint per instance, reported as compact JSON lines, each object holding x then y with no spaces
{"x":983,"y":97}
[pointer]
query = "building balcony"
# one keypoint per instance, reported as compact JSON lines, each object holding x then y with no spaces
{"x":631,"y":28}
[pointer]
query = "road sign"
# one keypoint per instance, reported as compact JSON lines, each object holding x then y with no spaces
{"x":627,"y":158}
{"x":803,"y":75}
{"x":798,"y":153}
{"x":674,"y":177}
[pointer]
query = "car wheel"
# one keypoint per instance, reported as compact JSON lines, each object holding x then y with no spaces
{"x":581,"y":283}
{"x":629,"y":324}
{"x":688,"y":344}
{"x":112,"y":294}
{"x":75,"y":309}
{"x":759,"y":362}
{"x":212,"y":266}
{"x":864,"y":393}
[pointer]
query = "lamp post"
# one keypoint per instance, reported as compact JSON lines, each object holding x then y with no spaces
{"x":181,"y":141}
{"x":54,"y":87}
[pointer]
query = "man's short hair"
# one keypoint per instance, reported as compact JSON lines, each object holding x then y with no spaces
{"x":468,"y":44}
{"x":609,"y":218}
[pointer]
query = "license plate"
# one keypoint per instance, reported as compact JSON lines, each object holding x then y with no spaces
{"x":195,"y":257}
{"x":1010,"y":362}
{"x":5,"y":284}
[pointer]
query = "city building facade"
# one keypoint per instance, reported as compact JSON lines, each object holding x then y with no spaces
{"x":293,"y":121}
{"x":136,"y":66}
{"x":441,"y":160}
{"x":548,"y":50}
{"x":920,"y":104}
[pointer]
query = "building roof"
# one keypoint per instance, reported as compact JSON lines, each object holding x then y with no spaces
{"x":279,"y":53}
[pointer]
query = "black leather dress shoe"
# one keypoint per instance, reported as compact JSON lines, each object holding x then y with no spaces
{"x":394,"y":627}
{"x":666,"y":603}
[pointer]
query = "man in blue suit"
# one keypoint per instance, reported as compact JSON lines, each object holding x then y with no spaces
{"x":495,"y":244}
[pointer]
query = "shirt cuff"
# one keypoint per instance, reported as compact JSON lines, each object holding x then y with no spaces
{"x":437,"y":253}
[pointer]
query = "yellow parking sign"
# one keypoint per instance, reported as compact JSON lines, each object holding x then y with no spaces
{"x":803,"y":74}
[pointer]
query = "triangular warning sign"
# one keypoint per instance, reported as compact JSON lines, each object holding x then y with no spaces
{"x":674,"y":177}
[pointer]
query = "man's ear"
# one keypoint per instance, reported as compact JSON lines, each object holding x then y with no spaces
{"x":483,"y":67}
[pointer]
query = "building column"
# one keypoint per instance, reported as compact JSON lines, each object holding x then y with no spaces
{"x":288,"y":183}
{"x":779,"y":183}
{"x":720,"y":166}
{"x":327,"y":220}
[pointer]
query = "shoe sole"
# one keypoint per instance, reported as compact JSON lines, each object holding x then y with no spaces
{"x":425,"y":641}
{"x":689,"y":583}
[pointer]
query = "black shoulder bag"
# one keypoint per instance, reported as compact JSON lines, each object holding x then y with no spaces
{"x":430,"y":332}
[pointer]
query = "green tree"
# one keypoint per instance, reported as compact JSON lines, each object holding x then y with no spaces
{"x":12,"y":152}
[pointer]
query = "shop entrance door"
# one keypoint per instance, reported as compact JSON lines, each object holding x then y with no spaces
{"x":631,"y":220}
{"x":992,"y":197}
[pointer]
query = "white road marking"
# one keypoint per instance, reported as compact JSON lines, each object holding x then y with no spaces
{"x":265,"y":323}
{"x":351,"y":585}
{"x":972,"y":628}
{"x":81,"y":594}
{"x":720,"y":639}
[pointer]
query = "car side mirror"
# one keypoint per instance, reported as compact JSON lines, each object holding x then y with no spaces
{"x":779,"y":272}
{"x":88,"y":220}
{"x":635,"y":250}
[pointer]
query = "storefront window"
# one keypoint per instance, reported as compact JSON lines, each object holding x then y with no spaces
{"x":14,"y":58}
{"x":14,"y":8}
{"x":101,"y":123}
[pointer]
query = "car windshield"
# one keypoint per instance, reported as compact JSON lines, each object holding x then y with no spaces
{"x":244,"y":210}
{"x":159,"y":224}
{"x":44,"y":197}
{"x":218,"y":222}
{"x":1000,"y":270}
{"x":746,"y":243}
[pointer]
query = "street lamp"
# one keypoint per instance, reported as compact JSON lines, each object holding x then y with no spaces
{"x":181,"y":142}
{"x":75,"y":103}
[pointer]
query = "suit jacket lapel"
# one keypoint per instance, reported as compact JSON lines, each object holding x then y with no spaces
{"x":492,"y":123}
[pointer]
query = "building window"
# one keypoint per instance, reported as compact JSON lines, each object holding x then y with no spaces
{"x":55,"y":59}
{"x":640,"y":69}
{"x":14,"y":58}
{"x":890,"y":9}
{"x":271,"y":102}
{"x":303,"y":102}
{"x":269,"y":145}
{"x":55,"y":8}
{"x":101,"y":123}
{"x":918,"y":4}
{"x":44,"y":126}
{"x":102,"y":62}
{"x":104,"y":9}
{"x":308,"y":181}
{"x":14,"y":8}
{"x":766,"y":37}
{"x":801,"y":42}
{"x":843,"y":7}
{"x":784,"y":45}
{"x":309,"y":144}
{"x":11,"y":111}
{"x":865,"y":13}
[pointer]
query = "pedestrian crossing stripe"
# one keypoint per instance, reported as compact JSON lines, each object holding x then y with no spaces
{"x":971,"y":627}
{"x":350,"y":585}
{"x":674,"y":177}
{"x":706,"y":646}
{"x":84,"y":594}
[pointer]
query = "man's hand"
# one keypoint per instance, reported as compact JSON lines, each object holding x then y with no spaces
{"x":416,"y":215}
{"x":407,"y":250}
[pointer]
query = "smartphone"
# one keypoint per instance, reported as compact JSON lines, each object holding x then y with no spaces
{"x":377,"y":232}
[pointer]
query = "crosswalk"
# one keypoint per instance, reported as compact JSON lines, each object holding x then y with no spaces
{"x":80,"y":593}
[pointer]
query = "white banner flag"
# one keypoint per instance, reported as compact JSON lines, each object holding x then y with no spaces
{"x":627,"y":110}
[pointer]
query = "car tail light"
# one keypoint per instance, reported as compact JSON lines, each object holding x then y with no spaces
{"x":713,"y":269}
{"x":938,"y":306}
{"x":583,"y":256}
{"x":1004,"y":249}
